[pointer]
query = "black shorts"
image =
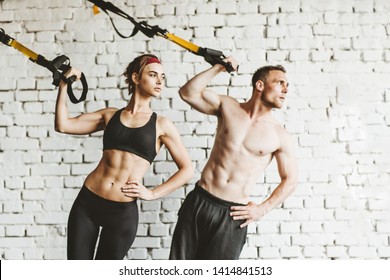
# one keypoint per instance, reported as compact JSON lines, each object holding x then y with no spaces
{"x":205,"y":229}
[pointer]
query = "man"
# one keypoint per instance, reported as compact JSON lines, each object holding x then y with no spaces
{"x":213,"y":219}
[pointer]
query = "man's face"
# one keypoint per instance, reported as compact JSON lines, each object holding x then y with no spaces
{"x":275,"y":89}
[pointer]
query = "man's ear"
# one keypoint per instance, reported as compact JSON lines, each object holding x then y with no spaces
{"x":260,"y":85}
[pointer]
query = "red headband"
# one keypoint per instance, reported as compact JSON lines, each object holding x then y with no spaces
{"x":152,"y":60}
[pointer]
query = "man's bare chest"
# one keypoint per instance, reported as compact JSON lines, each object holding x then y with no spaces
{"x":256,"y":138}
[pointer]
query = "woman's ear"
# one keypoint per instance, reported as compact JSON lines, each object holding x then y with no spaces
{"x":134,"y":78}
{"x":260,"y":85}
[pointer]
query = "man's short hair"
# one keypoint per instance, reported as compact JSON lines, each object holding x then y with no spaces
{"x":262,"y":73}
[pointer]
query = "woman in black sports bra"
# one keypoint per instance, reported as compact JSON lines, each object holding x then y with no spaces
{"x":132,"y":138}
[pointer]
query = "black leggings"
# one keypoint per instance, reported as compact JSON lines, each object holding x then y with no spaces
{"x":119,"y":222}
{"x":205,"y":230}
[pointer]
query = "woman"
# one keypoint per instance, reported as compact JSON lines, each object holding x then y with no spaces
{"x":132,"y":138}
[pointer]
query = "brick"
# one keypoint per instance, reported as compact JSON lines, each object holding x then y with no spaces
{"x":160,"y":254}
{"x":362,"y":252}
{"x":33,"y":254}
{"x":12,"y":207}
{"x":146,"y":242}
{"x":338,"y":252}
{"x":290,"y":227}
{"x":169,"y":217}
{"x":148,"y":217}
{"x":248,"y":20}
{"x":137,"y":254}
{"x":50,"y":169}
{"x":18,"y":219}
{"x":171,"y":204}
{"x":159,"y":230}
{"x":151,"y":205}
{"x":384,"y":252}
{"x":15,"y":231}
{"x":316,"y":252}
{"x":291,"y":252}
{"x":15,"y":254}
{"x":227,"y":7}
{"x":249,"y":253}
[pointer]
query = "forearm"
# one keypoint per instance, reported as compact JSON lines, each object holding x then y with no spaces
{"x":61,"y":110}
{"x":181,"y":177}
{"x":278,"y":196}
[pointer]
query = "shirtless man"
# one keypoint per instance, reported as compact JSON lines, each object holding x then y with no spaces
{"x":213,"y":219}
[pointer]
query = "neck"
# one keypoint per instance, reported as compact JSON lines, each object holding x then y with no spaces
{"x":139,"y":104}
{"x":256,"y":107}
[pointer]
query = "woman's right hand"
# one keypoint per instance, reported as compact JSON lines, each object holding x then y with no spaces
{"x":71,"y":72}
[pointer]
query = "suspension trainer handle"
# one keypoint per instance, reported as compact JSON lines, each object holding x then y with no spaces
{"x":211,"y":56}
{"x":57,"y":66}
{"x":214,"y":56}
{"x":61,"y":64}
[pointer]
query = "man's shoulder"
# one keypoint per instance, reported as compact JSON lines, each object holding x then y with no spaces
{"x":285,"y":138}
{"x":227,"y":100}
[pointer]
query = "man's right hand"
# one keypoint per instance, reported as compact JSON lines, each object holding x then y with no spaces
{"x":232,"y":61}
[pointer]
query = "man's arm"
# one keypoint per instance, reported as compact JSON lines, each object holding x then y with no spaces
{"x":288,"y":172}
{"x":196,"y":94}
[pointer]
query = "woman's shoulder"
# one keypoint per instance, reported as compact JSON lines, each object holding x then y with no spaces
{"x":162,"y":120}
{"x":109,"y":110}
{"x":107,"y":113}
{"x":165,"y":124}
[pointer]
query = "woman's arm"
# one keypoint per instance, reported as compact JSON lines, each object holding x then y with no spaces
{"x":172,"y":140}
{"x":83,"y":124}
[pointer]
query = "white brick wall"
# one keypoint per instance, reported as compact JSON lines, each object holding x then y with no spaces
{"x":337,"y":55}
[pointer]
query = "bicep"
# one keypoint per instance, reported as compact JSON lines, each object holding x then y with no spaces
{"x":172,"y":140}
{"x":286,"y":160}
{"x":208,"y":102}
{"x":86,"y":123}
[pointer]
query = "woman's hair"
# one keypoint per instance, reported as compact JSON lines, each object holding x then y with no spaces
{"x":137,"y":66}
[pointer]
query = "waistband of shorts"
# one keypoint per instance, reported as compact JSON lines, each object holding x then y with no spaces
{"x":98,"y":200}
{"x":213,"y":199}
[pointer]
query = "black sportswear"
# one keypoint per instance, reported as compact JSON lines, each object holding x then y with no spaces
{"x":137,"y":140}
{"x":205,"y":230}
{"x":118,"y":222}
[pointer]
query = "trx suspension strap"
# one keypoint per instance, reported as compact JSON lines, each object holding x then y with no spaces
{"x":210,"y":55}
{"x":57,"y":66}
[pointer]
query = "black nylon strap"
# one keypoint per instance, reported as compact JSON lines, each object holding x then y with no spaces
{"x":210,"y":55}
{"x":57,"y":66}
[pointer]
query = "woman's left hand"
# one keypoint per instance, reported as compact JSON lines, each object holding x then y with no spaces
{"x":135,"y":189}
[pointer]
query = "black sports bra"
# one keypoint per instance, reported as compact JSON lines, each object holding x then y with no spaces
{"x":138,"y":140}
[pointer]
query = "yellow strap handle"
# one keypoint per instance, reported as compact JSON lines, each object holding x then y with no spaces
{"x":181,"y":42}
{"x":95,"y":10}
{"x":27,"y":52}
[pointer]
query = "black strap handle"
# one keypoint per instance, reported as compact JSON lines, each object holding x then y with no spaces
{"x":60,"y":65}
{"x":214,"y":56}
{"x":57,"y":66}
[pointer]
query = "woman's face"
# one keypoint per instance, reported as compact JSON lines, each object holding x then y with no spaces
{"x":152,"y":80}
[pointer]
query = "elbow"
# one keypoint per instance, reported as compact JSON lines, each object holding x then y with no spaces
{"x":182,"y":93}
{"x":189,"y":172}
{"x":290,"y":184}
{"x":59,"y":128}
{"x":293,"y":184}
